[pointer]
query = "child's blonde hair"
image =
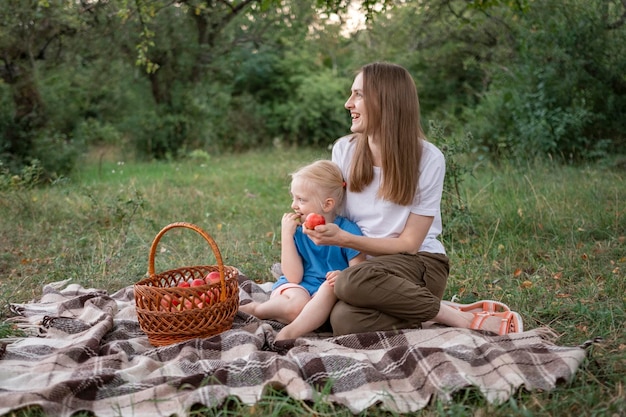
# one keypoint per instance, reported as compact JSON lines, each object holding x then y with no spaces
{"x":326,"y":179}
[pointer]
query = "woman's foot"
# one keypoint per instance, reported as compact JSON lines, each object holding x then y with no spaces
{"x":500,"y":323}
{"x":489,"y":306}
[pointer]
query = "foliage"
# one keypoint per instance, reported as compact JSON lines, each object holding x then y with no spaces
{"x":454,"y":209}
{"x":525,"y":79}
{"x":563,"y":93}
{"x":29,"y":177}
{"x":32,"y":31}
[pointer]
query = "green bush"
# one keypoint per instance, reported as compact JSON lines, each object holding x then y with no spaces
{"x":562,"y":94}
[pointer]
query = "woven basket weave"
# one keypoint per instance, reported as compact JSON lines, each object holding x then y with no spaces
{"x":170,"y":314}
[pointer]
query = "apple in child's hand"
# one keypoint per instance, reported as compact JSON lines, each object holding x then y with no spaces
{"x":212,"y":277}
{"x":313,"y":219}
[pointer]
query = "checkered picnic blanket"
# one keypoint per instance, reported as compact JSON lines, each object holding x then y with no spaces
{"x":86,"y":351}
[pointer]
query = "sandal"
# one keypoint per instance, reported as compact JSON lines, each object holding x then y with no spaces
{"x":511,"y":322}
{"x":488,"y":306}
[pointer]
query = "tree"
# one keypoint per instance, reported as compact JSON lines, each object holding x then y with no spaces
{"x":32,"y":31}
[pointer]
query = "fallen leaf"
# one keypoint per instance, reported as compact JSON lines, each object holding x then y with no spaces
{"x":582,"y":328}
{"x":517,"y":272}
{"x":526,"y":284}
{"x":558,"y":275}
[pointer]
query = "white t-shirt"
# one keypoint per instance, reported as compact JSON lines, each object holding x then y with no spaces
{"x":381,"y":218}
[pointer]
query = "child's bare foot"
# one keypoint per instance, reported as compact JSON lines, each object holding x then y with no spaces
{"x":249,"y":308}
{"x":285,"y":333}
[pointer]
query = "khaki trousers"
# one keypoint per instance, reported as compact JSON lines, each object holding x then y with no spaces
{"x":389,"y":292}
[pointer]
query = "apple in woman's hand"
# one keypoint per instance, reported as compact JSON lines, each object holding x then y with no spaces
{"x":313,"y":219}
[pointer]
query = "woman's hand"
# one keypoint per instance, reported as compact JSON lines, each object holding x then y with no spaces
{"x":409,"y":241}
{"x":326,"y":234}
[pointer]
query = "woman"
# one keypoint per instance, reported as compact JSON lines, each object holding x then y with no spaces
{"x":394,"y":187}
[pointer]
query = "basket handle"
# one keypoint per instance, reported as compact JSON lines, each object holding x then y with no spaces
{"x":205,"y":235}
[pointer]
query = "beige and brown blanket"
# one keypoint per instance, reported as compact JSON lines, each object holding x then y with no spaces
{"x":86,"y":352}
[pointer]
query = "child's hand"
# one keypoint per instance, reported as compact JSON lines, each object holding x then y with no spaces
{"x":290,"y":223}
{"x":331,"y":276}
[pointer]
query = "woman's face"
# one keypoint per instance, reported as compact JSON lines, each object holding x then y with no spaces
{"x":356,"y":105}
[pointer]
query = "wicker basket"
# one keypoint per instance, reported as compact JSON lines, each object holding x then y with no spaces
{"x":169,"y":314}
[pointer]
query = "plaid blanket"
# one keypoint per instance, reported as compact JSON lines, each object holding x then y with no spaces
{"x":85,"y":351}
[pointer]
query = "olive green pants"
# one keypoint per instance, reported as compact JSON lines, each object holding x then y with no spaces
{"x":389,"y":292}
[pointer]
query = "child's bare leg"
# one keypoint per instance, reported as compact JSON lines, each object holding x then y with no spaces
{"x":283,"y":308}
{"x":313,"y":315}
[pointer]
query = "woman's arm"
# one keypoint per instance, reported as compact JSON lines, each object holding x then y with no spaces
{"x":409,"y":241}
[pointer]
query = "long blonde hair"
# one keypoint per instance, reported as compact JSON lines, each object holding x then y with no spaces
{"x":326,"y":179}
{"x":393,"y":117}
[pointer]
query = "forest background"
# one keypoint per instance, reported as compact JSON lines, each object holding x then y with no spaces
{"x":120,"y":116}
{"x":159,"y":79}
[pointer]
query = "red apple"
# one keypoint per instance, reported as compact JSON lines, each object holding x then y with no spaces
{"x":197,"y":282}
{"x":314,"y":219}
{"x":184,"y":284}
{"x":169,"y":302}
{"x":212,"y":277}
{"x":212,"y":296}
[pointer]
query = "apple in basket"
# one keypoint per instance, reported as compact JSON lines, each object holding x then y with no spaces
{"x":197,"y":282}
{"x":212,"y":277}
{"x":170,"y":303}
{"x":314,"y":219}
{"x":196,"y":303}
{"x":184,"y":284}
{"x":212,"y":296}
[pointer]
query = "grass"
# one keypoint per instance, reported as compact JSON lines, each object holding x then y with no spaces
{"x":548,"y":240}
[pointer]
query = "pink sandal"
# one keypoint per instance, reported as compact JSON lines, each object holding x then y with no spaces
{"x":511,"y":322}
{"x":488,"y":306}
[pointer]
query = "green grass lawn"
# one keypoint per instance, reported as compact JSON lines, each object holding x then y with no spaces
{"x":548,"y":240}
